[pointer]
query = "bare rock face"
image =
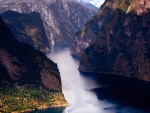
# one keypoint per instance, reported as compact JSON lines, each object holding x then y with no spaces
{"x":87,"y":35}
{"x":123,"y":44}
{"x":20,"y":64}
{"x":62,"y":18}
{"x":27,"y":28}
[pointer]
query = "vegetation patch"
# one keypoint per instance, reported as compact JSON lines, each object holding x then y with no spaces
{"x":20,"y":98}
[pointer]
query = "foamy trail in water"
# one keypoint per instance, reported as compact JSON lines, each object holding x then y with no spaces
{"x":81,"y":102}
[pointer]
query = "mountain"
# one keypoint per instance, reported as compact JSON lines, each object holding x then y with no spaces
{"x":89,"y":5}
{"x":89,"y":32}
{"x":61,"y":18}
{"x":28,"y":79}
{"x":27,"y":28}
{"x":123,"y":43}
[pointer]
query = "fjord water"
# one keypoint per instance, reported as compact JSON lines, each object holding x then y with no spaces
{"x":76,"y":88}
{"x":84,"y":94}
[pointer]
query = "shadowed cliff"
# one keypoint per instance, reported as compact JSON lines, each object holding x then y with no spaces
{"x":27,"y":28}
{"x":28,"y":79}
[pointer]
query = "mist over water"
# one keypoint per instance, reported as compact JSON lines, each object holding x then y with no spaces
{"x":76,"y":88}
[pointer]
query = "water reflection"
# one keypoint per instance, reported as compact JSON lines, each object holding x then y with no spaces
{"x":85,"y":94}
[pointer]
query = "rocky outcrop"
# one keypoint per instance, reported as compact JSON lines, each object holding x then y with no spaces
{"x":28,"y":28}
{"x":62,"y":18}
{"x":123,"y":43}
{"x":21,"y":65}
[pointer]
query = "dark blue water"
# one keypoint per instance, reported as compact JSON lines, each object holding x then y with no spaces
{"x":95,"y":93}
{"x":50,"y":110}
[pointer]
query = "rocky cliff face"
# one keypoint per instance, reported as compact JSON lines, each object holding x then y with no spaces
{"x":62,"y":18}
{"x":123,"y":43}
{"x":87,"y":35}
{"x":89,"y":32}
{"x":27,"y":28}
{"x":21,"y":65}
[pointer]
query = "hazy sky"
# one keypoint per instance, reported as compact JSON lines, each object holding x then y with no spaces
{"x":97,"y":3}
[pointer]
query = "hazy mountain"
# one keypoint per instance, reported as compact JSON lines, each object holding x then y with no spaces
{"x":89,"y":5}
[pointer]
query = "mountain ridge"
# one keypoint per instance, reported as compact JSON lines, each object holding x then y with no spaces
{"x":62,"y":18}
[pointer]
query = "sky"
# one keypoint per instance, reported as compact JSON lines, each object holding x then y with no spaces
{"x":97,"y":3}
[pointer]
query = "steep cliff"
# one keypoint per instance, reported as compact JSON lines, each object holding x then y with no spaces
{"x":21,"y":64}
{"x":28,"y":79}
{"x":123,"y":43}
{"x":89,"y":32}
{"x":27,"y":28}
{"x":62,"y":18}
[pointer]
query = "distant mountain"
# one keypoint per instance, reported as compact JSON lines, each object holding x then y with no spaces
{"x":121,"y":43}
{"x":27,"y":28}
{"x":89,"y":5}
{"x":28,"y":79}
{"x":61,"y":18}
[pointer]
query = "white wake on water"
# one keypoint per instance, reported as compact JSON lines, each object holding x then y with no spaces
{"x":81,"y":102}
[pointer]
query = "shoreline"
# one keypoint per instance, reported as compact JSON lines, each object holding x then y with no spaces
{"x":42,"y":108}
